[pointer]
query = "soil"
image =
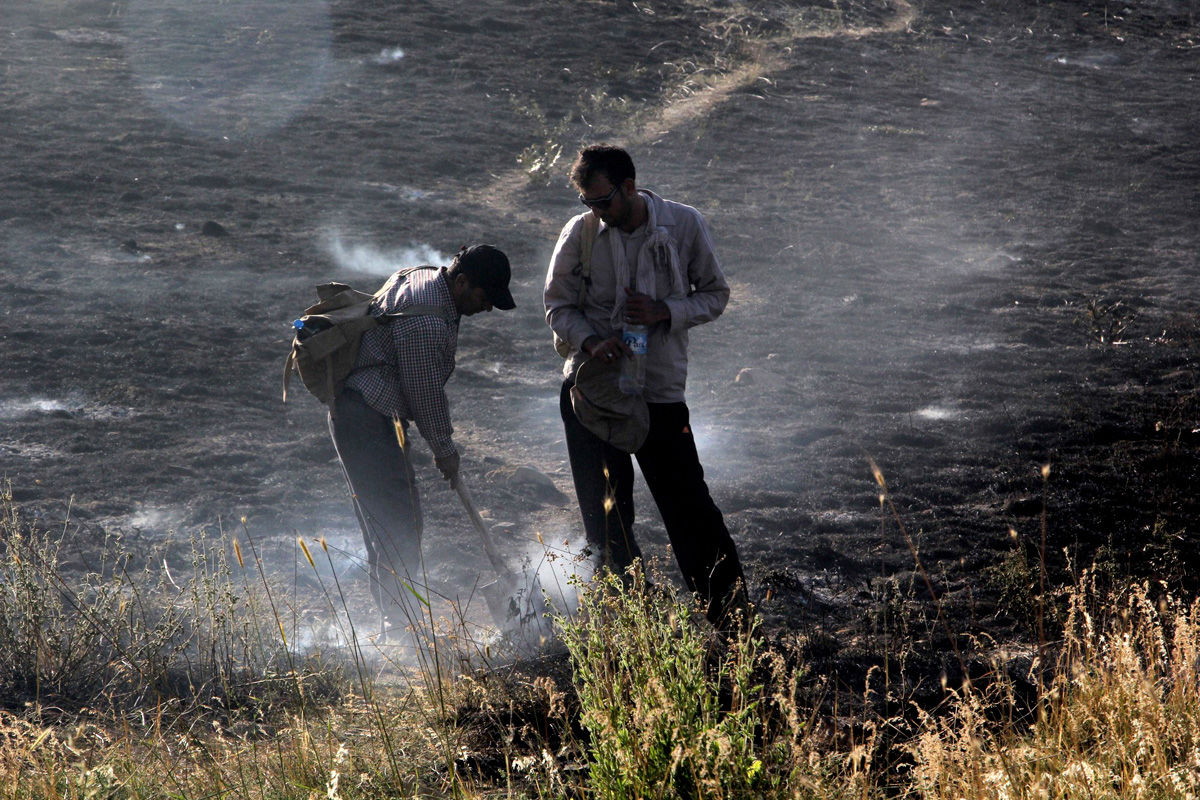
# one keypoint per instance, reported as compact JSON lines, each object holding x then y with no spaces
{"x":961,"y":236}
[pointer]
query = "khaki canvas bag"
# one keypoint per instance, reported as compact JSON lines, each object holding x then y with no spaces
{"x":590,"y":225}
{"x":325,"y":358}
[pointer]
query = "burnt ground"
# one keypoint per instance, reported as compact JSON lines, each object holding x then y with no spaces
{"x":962,"y":238}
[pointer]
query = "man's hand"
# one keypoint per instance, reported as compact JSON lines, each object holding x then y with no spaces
{"x":448,"y":465}
{"x":642,"y":309}
{"x":605,"y":349}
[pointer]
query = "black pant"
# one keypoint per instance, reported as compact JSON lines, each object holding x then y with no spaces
{"x":703,"y":547}
{"x":386,"y":502}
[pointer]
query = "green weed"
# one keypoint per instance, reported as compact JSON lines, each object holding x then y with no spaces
{"x":673,"y":710}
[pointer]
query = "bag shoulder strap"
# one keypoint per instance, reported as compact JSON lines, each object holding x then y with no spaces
{"x":591,"y":224}
{"x":427,"y":310}
{"x":398,"y":277}
{"x":404,"y":273}
{"x":422,"y":310}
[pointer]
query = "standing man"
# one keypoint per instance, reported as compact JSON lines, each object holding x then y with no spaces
{"x":651,"y":263}
{"x":400,"y":377}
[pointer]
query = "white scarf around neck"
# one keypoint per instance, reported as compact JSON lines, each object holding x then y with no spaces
{"x":657,"y":253}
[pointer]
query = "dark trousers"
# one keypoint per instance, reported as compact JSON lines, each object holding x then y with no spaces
{"x":704,"y":549}
{"x":386,"y":502}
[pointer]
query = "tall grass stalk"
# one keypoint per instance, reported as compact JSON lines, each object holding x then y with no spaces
{"x":886,"y":502}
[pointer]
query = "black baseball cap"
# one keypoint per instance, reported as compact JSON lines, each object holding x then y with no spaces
{"x":487,"y":268}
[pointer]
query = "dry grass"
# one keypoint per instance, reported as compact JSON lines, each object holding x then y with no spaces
{"x":125,"y":683}
{"x":1119,"y":717}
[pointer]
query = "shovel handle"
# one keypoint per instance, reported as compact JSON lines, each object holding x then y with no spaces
{"x":464,"y":494}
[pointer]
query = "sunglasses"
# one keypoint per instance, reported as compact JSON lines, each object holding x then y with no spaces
{"x":600,"y":203}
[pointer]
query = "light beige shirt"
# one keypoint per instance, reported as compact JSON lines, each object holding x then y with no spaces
{"x":704,"y":299}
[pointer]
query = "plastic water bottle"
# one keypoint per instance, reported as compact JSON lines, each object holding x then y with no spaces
{"x":633,"y":367}
{"x":303,"y":329}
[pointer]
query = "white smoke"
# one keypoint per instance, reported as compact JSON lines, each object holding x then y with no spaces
{"x":561,"y":568}
{"x":388,"y":55}
{"x":366,"y":259}
{"x":15,"y":409}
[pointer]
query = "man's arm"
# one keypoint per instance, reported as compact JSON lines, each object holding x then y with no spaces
{"x":424,"y":366}
{"x":561,"y":291}
{"x":709,"y":292}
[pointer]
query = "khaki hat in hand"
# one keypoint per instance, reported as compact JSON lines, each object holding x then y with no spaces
{"x":622,"y":420}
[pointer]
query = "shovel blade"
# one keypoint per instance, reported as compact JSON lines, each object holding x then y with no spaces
{"x":515,"y":600}
{"x":518,"y":608}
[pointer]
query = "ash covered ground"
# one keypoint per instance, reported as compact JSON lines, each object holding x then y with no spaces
{"x":961,"y":237}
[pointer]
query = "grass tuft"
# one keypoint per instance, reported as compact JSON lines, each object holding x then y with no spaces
{"x":674,"y":710}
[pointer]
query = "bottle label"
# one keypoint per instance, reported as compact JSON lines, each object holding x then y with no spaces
{"x":636,"y":341}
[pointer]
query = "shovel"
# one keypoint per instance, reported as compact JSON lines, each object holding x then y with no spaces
{"x":515,"y":600}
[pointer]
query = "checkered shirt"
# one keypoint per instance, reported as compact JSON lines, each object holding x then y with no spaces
{"x":403,"y":366}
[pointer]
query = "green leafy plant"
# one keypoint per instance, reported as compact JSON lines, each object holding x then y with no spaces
{"x":673,"y":710}
{"x":1016,"y":583}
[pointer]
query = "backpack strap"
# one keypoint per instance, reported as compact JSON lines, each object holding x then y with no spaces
{"x":424,"y":310}
{"x":400,"y":276}
{"x":427,"y":310}
{"x":591,"y":224}
{"x":420,"y":310}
